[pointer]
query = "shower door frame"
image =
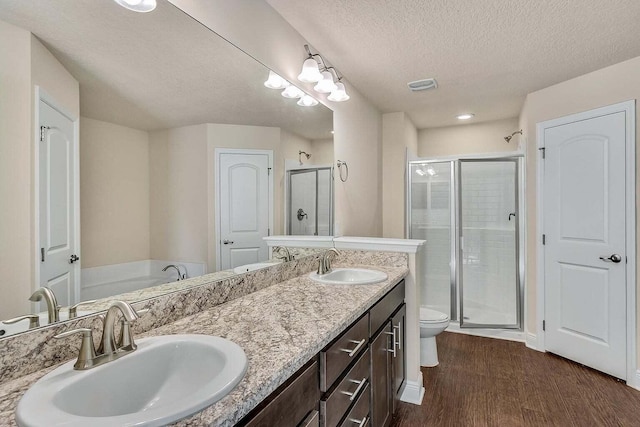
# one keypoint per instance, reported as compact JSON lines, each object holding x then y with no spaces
{"x":297,"y":171}
{"x":455,"y":212}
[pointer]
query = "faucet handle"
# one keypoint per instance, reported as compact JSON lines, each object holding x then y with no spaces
{"x":73,"y":310}
{"x":34,"y":320}
{"x":87,"y":353}
{"x":125,"y":341}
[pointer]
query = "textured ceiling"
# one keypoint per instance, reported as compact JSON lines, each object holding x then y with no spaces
{"x":158,"y":70}
{"x":485,"y":54}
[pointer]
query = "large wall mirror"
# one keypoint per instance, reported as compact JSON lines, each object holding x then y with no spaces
{"x":182,"y":158}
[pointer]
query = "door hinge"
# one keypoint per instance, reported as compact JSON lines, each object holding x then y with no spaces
{"x":41,"y":254}
{"x":43,"y":132}
{"x":268,"y":171}
{"x":544,"y":325}
{"x":268,"y":232}
{"x":543,"y":151}
{"x":544,"y":239}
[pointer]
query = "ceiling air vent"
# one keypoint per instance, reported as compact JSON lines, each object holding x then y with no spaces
{"x":425,"y":84}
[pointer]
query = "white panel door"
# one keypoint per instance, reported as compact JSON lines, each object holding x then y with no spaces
{"x":584,"y":226}
{"x":244,"y":208}
{"x":57,"y":210}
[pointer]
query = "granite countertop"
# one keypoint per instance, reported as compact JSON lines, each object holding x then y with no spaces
{"x":280,"y":328}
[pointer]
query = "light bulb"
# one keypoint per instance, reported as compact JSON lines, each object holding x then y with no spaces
{"x":325,"y":85}
{"x":339,"y":94}
{"x":465,"y":116}
{"x":138,"y":5}
{"x":292,"y":92}
{"x":310,"y":72}
{"x":275,"y":81}
{"x":307,"y":101}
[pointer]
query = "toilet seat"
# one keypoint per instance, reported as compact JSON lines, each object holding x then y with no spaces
{"x":428,"y":315}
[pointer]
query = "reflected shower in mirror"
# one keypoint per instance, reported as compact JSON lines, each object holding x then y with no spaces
{"x":142,"y":104}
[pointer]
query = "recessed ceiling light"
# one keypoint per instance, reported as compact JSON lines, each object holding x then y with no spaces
{"x":465,"y":116}
{"x":138,"y":5}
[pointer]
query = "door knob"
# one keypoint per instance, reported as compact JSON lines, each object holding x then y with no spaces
{"x":73,"y":258}
{"x":227,"y":242}
{"x":613,"y":258}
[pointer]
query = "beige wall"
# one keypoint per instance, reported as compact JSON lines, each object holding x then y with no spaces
{"x":114,"y":193}
{"x":472,"y":138}
{"x":54,"y":79}
{"x":25,"y":63}
{"x":322,"y":150}
{"x":264,"y":34}
{"x":292,"y":144}
{"x":179,"y":189}
{"x":620,"y":82}
{"x":398,"y":135}
{"x":16,"y":247}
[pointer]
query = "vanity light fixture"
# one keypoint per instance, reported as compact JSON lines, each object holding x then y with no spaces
{"x":465,"y":116}
{"x":138,"y":5}
{"x":307,"y":101}
{"x":315,"y":70}
{"x":276,"y":82}
{"x":292,"y":91}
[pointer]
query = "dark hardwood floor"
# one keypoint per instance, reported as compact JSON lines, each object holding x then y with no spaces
{"x":489,"y":382}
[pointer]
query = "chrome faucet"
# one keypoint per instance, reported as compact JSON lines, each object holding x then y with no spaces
{"x":108,"y":344}
{"x":109,"y":349}
{"x":53,"y":309}
{"x":324,"y":263}
{"x":286,"y":256}
{"x":180,"y":276}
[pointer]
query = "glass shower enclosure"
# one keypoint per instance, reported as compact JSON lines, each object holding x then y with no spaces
{"x":310,"y":202}
{"x":467,"y":211}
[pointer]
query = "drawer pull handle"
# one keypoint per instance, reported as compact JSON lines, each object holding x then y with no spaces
{"x":355,"y":350}
{"x":352,"y":396}
{"x":361,"y":423}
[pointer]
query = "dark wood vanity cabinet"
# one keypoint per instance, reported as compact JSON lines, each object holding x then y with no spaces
{"x":354,"y":381}
{"x":295,"y":403}
{"x":387,"y":355}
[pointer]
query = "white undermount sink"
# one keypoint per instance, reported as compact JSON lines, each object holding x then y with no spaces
{"x":350,"y":276}
{"x":166,"y":379}
{"x":252,"y":267}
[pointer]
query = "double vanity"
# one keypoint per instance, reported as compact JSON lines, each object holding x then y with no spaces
{"x":339,"y":342}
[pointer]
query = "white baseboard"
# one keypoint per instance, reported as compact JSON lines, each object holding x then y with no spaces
{"x":532,"y":342}
{"x":413,"y":391}
{"x":635,"y":382}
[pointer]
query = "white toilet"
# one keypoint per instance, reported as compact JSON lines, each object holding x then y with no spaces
{"x":432,"y":322}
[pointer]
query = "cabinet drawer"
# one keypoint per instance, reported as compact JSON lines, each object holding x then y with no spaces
{"x":384,"y":308}
{"x":359,"y":414}
{"x":335,"y":358}
{"x":289,"y":404}
{"x":352,"y":386}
